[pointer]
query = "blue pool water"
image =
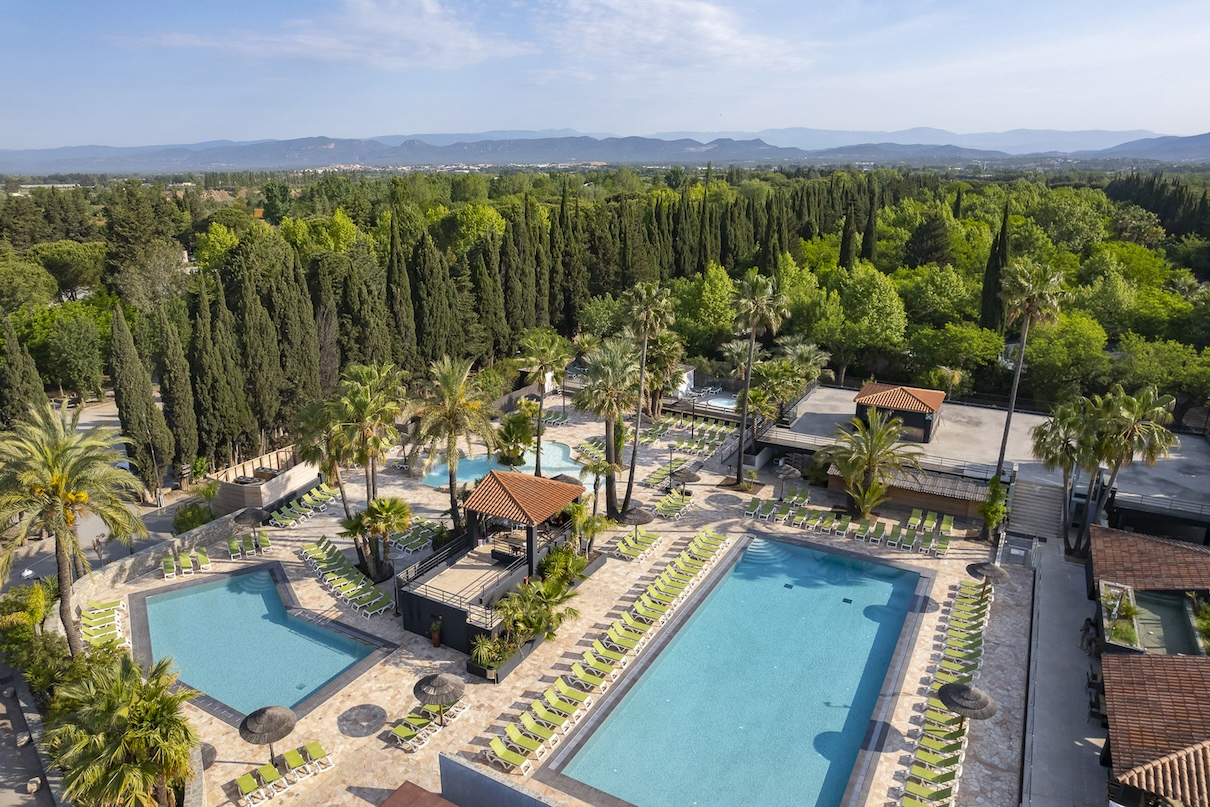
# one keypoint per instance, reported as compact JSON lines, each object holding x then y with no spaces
{"x":556,"y":459}
{"x":233,"y":640}
{"x":764,"y":695}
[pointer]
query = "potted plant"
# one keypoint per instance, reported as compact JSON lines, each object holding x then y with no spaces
{"x":435,"y":632}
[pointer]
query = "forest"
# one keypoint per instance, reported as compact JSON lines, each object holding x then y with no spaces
{"x":245,"y":296}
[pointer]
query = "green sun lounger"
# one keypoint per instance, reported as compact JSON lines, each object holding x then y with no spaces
{"x":946,"y":748}
{"x":947,"y":525}
{"x":272,"y":779}
{"x":841,"y":527}
{"x":929,"y":794}
{"x":522,"y":743}
{"x":826,"y":522}
{"x":412,"y":735}
{"x":929,"y":776}
{"x":108,"y":605}
{"x":249,"y":546}
{"x":876,"y":534}
{"x":233,"y":548}
{"x":565,"y":707}
{"x":317,"y":756}
{"x":296,"y":766}
{"x":169,"y":565}
{"x":621,"y":643}
{"x":583,"y":679}
{"x":551,"y":718}
{"x":609,"y":655}
{"x":767,"y":509}
{"x":915,"y":519}
{"x":534,"y":729}
{"x":186,"y":563}
{"x":908,"y":542}
{"x":940,"y":718}
{"x":249,"y":789}
{"x":499,"y":755}
{"x":895,"y":536}
{"x":599,"y":667}
{"x":570,"y":693}
{"x":926,"y":543}
{"x":634,"y":624}
{"x":262,"y":541}
{"x":203,"y":559}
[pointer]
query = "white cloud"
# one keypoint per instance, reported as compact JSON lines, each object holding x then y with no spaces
{"x":388,"y":34}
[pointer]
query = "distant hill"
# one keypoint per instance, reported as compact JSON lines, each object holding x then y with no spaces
{"x":921,"y":147}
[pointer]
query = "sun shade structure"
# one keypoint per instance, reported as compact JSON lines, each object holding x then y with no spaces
{"x":441,"y":689}
{"x":967,"y":701}
{"x":251,"y":517}
{"x":919,"y":408}
{"x":268,"y":725}
{"x":989,"y":572}
{"x":523,"y":499}
{"x":786,"y":471}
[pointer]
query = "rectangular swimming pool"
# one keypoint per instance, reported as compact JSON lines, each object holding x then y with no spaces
{"x":233,"y":640}
{"x":764,"y":695}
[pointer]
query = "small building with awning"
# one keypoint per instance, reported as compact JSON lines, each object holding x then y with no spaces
{"x":918,"y":408}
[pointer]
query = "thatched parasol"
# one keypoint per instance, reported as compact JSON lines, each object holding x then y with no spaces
{"x":268,"y":725}
{"x":251,"y":517}
{"x":634,"y":517}
{"x":442,"y":689}
{"x":786,"y":471}
{"x":967,"y":701}
{"x":988,"y":572}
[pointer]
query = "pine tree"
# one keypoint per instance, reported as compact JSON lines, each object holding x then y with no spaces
{"x":259,"y":358}
{"x":289,"y":305}
{"x":399,"y":302}
{"x":177,"y":394}
{"x":20,"y":385}
{"x":991,"y":307}
{"x":929,"y":242}
{"x":149,"y":443}
{"x":434,"y":293}
{"x":848,"y":239}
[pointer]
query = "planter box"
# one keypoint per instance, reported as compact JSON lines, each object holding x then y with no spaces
{"x":1112,"y":593}
{"x":593,"y":565}
{"x":510,"y":664}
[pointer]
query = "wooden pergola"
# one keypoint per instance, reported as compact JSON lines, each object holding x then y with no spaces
{"x":523,"y":499}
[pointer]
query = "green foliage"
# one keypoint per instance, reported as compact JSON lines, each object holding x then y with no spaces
{"x":149,"y":443}
{"x":514,"y":437}
{"x":868,"y":456}
{"x":20,"y":386}
{"x":599,"y":316}
{"x":74,"y":347}
{"x":962,"y":346}
{"x":930,"y":242}
{"x":1066,"y":359}
{"x":1072,"y":218}
{"x":994,"y":509}
{"x":76,"y":267}
{"x":935,"y":295}
{"x":191,"y":516}
{"x":23,"y":282}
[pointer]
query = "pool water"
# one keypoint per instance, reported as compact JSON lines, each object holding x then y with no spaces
{"x":723,"y":403}
{"x":233,"y":640}
{"x":556,"y":459}
{"x":764,"y":695}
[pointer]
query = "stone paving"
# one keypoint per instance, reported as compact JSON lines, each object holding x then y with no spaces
{"x":354,"y":724}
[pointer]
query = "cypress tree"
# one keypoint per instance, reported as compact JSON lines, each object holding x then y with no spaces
{"x":176,"y":393}
{"x":958,"y":204}
{"x":869,"y":239}
{"x":399,"y":302}
{"x":289,"y":305}
{"x":848,"y":239}
{"x":242,"y":428}
{"x":470,"y":337}
{"x":929,"y":242}
{"x":575,"y":268}
{"x":539,"y":245}
{"x":485,"y":281}
{"x":513,"y":285}
{"x":436,"y":321}
{"x":558,"y":257}
{"x":364,"y":337}
{"x":528,"y":270}
{"x":991,"y":307}
{"x":150,"y":445}
{"x":20,"y":385}
{"x":260,"y":358}
{"x":327,"y":332}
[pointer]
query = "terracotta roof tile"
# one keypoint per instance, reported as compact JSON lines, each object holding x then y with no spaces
{"x":1146,"y":562}
{"x":900,"y":398}
{"x":1159,"y":724}
{"x":523,"y":498}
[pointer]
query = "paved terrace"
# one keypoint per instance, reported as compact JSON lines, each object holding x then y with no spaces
{"x":353,"y":724}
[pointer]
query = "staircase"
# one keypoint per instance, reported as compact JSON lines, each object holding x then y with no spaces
{"x":1037,"y":510}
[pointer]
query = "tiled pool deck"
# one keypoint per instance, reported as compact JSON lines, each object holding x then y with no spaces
{"x":354,"y":723}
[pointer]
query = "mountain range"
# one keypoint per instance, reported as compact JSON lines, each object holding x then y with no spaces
{"x":928,"y":147}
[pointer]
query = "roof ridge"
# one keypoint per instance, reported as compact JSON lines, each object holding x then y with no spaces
{"x":505,"y":483}
{"x":1192,"y":790}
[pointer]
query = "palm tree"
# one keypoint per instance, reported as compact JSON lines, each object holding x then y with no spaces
{"x":1135,"y":427}
{"x":453,"y":407}
{"x":868,"y":456}
{"x":368,"y":402}
{"x":121,"y":736}
{"x":52,"y":474}
{"x":648,"y":310}
{"x":664,"y":353}
{"x":597,"y":467}
{"x":587,"y":526}
{"x":1056,"y":444}
{"x":544,"y":353}
{"x":1031,"y":291}
{"x":371,"y":528}
{"x":609,"y":391}
{"x":319,"y":440}
{"x":735,"y":356}
{"x":810,"y":359}
{"x":514,"y":437}
{"x":759,"y":307}
{"x":782,"y":380}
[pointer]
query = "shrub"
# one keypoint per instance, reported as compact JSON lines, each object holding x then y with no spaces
{"x":191,"y":516}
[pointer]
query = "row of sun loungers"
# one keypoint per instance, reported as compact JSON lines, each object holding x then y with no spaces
{"x":700,"y":445}
{"x":554,"y":417}
{"x":593,"y":448}
{"x":699,"y":425}
{"x":636,"y":545}
{"x":660,"y":475}
{"x":101,"y":623}
{"x":673,"y":505}
{"x":929,"y":522}
{"x":871,"y":531}
{"x":313,"y":501}
{"x":268,"y":780}
{"x":186,"y":563}
{"x":343,"y":579}
{"x":417,"y":538}
{"x":540,"y":728}
{"x":417,"y":728}
{"x":933,"y":777}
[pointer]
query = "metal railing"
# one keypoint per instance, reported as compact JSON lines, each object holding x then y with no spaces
{"x":418,"y":570}
{"x":1157,"y":504}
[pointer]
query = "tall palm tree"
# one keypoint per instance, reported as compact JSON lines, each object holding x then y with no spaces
{"x":121,"y":736}
{"x":544,"y":353}
{"x":1135,"y":425}
{"x":648,"y":310}
{"x":52,"y":474}
{"x":587,"y":526}
{"x":735,"y":356}
{"x":368,"y":402}
{"x":759,"y":307}
{"x":1031,"y":291}
{"x":868,"y":456}
{"x":596,"y":467}
{"x":452,"y":408}
{"x":664,"y":353}
{"x":371,"y":528}
{"x":1056,"y":444}
{"x":781,"y":379}
{"x":610,"y":389}
{"x":319,"y":440}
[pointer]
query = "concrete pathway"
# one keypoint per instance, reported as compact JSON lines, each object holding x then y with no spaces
{"x":1062,"y":745}
{"x":17,"y":765}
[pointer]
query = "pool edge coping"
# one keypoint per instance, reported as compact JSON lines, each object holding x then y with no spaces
{"x":857,"y":791}
{"x":140,"y":639}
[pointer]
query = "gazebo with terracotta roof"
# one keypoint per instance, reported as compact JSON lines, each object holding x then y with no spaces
{"x":919,"y":408}
{"x":522,"y":499}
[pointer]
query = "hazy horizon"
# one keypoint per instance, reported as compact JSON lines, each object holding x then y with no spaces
{"x":126,"y":74}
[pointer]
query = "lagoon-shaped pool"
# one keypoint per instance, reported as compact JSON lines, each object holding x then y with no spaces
{"x":556,"y":459}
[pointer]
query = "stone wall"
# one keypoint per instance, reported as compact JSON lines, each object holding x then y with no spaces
{"x":33,"y":720}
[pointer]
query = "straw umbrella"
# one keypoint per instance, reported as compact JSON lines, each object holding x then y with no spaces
{"x":992,"y":574}
{"x":685,"y":476}
{"x":268,"y":725}
{"x":786,"y":471}
{"x":967,"y":701}
{"x":634,"y":517}
{"x":442,"y":689}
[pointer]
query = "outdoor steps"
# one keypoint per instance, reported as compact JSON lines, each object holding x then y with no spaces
{"x":1037,"y":509}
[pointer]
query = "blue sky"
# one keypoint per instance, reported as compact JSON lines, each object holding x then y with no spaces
{"x":130,"y":73}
